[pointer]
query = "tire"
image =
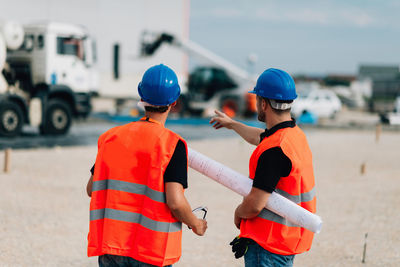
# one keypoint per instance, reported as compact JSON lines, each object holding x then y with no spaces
{"x":11,"y":119}
{"x":57,"y":118}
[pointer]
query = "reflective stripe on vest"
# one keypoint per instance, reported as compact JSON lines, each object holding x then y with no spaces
{"x":271,"y":216}
{"x":128,"y":187}
{"x":304,"y":197}
{"x":132,"y":217}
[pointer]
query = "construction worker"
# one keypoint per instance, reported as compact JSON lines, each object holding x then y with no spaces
{"x":138,"y":181}
{"x":282,"y":162}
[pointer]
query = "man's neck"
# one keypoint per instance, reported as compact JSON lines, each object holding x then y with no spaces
{"x":275,"y":119}
{"x":160,"y":117}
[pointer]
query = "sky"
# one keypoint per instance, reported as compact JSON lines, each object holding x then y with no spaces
{"x":302,"y":37}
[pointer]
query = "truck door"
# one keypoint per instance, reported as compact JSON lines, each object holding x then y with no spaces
{"x":90,"y":58}
{"x":72,"y":70}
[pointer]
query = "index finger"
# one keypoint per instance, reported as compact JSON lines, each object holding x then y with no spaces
{"x":219,"y":113}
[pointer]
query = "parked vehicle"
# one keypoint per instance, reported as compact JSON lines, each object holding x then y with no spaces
{"x":47,"y":78}
{"x":392,"y":118}
{"x":322,"y":102}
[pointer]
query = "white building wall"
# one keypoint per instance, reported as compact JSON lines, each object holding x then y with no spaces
{"x":116,"y":21}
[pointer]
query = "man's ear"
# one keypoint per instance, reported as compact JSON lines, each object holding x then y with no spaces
{"x":173,"y":104}
{"x":264,"y":104}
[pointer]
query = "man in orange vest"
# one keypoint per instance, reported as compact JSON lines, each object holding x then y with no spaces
{"x":137,"y":185}
{"x":282,"y":162}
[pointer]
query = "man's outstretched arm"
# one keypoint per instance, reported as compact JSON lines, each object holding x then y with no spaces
{"x":248,"y":133}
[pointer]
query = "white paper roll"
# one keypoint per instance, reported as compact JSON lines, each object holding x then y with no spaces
{"x":242,"y":185}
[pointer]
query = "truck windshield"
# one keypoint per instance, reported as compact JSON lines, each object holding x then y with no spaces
{"x":70,"y":46}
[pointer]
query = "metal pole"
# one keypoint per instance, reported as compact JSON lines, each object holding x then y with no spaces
{"x":7,"y":160}
{"x":365,"y":248}
{"x":363,"y":168}
{"x":378,"y":132}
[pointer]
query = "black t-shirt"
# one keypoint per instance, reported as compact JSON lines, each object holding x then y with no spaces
{"x":176,"y":170}
{"x":271,"y":166}
{"x":272,"y":163}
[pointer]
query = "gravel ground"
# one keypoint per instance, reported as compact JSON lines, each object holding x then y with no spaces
{"x":44,"y":209}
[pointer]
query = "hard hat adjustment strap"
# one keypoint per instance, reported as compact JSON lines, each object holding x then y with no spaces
{"x":280,"y":106}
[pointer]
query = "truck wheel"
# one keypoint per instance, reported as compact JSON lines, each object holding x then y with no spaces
{"x":57,"y":119}
{"x":11,"y":119}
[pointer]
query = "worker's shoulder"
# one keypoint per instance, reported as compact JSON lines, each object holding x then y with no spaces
{"x":291,"y":132}
{"x":172,"y":133}
{"x":112,"y":130}
{"x":298,"y":132}
{"x":293,"y":138}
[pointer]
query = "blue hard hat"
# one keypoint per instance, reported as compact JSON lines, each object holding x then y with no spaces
{"x":159,"y":86}
{"x":275,"y":84}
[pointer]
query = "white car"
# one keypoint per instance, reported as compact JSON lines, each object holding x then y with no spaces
{"x":394,"y":117}
{"x":322,"y":102}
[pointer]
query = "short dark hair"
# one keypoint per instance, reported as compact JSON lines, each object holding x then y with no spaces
{"x":156,"y":109}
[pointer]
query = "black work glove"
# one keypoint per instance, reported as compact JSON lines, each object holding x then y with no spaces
{"x":239,"y":246}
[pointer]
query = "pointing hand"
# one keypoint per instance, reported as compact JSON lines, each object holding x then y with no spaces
{"x":221,"y":120}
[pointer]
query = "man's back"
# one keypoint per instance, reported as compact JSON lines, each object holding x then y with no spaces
{"x":137,"y":184}
{"x":147,"y":140}
{"x":128,"y":206}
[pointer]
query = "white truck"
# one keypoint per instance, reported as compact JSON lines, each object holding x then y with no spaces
{"x":47,"y":76}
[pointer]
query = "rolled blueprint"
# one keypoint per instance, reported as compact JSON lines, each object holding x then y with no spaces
{"x":242,"y":185}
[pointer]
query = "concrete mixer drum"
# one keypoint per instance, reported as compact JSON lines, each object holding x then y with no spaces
{"x":13,"y":34}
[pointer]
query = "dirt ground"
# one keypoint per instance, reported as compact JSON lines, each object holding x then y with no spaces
{"x":44,"y":209}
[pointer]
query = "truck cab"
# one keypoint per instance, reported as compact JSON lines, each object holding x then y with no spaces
{"x":54,"y":67}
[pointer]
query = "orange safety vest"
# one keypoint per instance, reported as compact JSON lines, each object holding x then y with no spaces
{"x":128,"y":211}
{"x":271,"y":231}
